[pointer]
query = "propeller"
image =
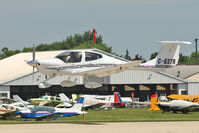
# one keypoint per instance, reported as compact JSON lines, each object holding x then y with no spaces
{"x":33,"y":62}
{"x":33,"y":56}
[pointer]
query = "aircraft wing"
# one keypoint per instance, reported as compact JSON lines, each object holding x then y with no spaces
{"x":46,"y":103}
{"x":97,"y":70}
{"x":49,"y":116}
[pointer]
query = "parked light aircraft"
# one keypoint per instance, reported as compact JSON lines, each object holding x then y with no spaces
{"x":107,"y":101}
{"x":5,"y":100}
{"x":191,"y":98}
{"x":45,"y":112}
{"x":8,"y":111}
{"x":94,"y":62}
{"x":46,"y":100}
{"x":90,"y":102}
{"x":173,"y":105}
{"x":111,"y":104}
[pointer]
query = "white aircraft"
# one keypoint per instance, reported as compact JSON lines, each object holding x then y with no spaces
{"x":45,"y":112}
{"x":94,"y":62}
{"x":105,"y":101}
{"x":177,"y":105}
{"x":66,"y":101}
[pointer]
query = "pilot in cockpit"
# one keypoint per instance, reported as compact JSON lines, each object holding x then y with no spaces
{"x":73,"y":57}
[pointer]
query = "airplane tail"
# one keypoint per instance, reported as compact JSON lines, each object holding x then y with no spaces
{"x":18,"y":99}
{"x":154,"y":99}
{"x":78,"y":105}
{"x":64,"y":98}
{"x":168,"y":55}
{"x":66,"y":101}
{"x":75,"y":96}
{"x":132,"y":95}
{"x":117,"y":98}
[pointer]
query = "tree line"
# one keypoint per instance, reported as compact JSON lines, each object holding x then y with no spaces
{"x":85,"y":40}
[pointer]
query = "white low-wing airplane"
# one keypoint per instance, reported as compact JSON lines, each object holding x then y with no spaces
{"x":177,"y":105}
{"x":94,"y":62}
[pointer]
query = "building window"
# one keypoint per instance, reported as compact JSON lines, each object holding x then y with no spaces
{"x":3,"y":94}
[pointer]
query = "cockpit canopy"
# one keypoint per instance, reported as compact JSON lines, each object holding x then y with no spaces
{"x":89,"y":56}
{"x":76,"y":56}
{"x":70,"y":57}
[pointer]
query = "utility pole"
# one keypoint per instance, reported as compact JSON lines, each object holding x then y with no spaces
{"x":196,"y":41}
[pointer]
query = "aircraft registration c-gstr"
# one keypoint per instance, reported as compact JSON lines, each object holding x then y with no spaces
{"x":166,"y":61}
{"x":94,"y":62}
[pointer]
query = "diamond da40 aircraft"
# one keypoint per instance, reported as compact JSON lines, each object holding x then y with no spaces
{"x":97,"y":63}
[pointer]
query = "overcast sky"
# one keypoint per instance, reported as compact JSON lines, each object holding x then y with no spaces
{"x":132,"y":24}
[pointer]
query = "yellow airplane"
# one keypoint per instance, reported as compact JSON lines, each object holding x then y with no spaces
{"x":46,"y":100}
{"x":191,"y":98}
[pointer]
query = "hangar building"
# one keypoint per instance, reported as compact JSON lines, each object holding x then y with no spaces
{"x":17,"y":78}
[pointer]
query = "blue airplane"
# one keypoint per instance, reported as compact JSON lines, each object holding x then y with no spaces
{"x":45,"y":112}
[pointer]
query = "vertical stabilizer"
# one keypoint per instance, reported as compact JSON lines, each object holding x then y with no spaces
{"x":65,"y":100}
{"x":18,"y":99}
{"x":78,"y":105}
{"x":63,"y":97}
{"x":117,"y":98}
{"x":168,"y":54}
{"x":154,"y":99}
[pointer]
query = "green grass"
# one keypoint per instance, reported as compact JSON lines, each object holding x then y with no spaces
{"x":117,"y":115}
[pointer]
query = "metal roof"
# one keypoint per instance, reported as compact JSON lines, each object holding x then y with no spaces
{"x":183,"y":71}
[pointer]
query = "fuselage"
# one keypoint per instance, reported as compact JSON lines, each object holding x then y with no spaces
{"x":27,"y":113}
{"x":83,"y":59}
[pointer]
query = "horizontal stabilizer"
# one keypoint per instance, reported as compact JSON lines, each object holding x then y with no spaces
{"x":172,"y":42}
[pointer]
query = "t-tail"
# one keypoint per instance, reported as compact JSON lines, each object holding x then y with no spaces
{"x":168,"y":55}
{"x":77,"y":107}
{"x":154,"y":99}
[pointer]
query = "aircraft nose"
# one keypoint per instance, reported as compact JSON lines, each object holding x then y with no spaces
{"x":33,"y":63}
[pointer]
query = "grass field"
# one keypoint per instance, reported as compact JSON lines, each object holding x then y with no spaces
{"x":117,"y":115}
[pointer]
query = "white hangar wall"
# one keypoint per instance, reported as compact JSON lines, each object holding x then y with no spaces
{"x":193,"y":88}
{"x":127,"y":77}
{"x":4,"y":91}
{"x":142,"y":77}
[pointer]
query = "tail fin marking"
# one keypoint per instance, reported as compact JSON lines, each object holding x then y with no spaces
{"x":78,"y":105}
{"x":117,"y":98}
